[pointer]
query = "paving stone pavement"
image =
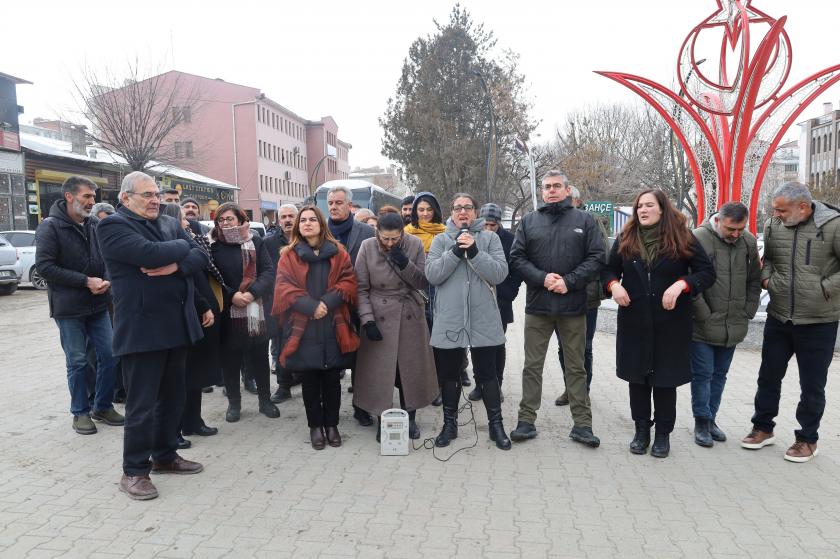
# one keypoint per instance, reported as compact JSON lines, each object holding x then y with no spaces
{"x":266,"y":493}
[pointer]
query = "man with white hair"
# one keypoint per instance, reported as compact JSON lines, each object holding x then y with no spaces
{"x":802,"y":275}
{"x":350,"y":233}
{"x":274,"y":243}
{"x":151,"y":260}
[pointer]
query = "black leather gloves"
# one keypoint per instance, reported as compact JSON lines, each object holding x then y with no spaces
{"x":372,"y":332}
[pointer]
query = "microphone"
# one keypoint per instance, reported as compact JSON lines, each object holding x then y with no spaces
{"x":464,"y":229}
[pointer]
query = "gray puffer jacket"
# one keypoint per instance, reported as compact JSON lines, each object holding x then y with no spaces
{"x":722,"y":312}
{"x":466,"y":312}
{"x":802,"y":265}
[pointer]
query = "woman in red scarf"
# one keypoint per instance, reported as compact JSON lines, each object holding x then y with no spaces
{"x":248,"y":274}
{"x":315,"y":288}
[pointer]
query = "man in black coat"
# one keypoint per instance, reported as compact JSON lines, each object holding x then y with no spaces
{"x":350,"y":233}
{"x":557,"y":251}
{"x":150,"y":260}
{"x":68,"y":258}
{"x":506,"y":291}
{"x":274,"y":243}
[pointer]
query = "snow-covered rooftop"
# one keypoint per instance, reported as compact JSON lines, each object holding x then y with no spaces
{"x":100,"y":155}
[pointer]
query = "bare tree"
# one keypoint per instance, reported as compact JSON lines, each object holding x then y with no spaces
{"x":135,"y":115}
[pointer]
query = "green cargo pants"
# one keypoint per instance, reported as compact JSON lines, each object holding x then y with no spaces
{"x":538,"y":332}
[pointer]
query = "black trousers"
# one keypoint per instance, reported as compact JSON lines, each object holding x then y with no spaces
{"x":501,"y":358}
{"x":813,"y":345}
{"x":256,"y":360}
{"x":449,"y":363}
{"x":321,"y":392}
{"x":664,"y":405}
{"x":154,"y":386}
{"x":191,"y":418}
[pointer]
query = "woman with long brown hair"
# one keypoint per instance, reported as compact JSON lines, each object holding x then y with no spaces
{"x":654,"y":269}
{"x":248,"y":274}
{"x":314,"y":291}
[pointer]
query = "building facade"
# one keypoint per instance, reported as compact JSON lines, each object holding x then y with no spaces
{"x":389,"y":178}
{"x":819,"y":155}
{"x":237,"y":135}
{"x":15,"y":201}
{"x":48,"y":162}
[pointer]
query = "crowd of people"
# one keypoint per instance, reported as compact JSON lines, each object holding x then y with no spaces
{"x":165,"y":309}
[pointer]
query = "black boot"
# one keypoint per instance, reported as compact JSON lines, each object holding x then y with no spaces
{"x":234,"y":409}
{"x":413,"y":429}
{"x":492,"y":397}
{"x":641,"y":441}
{"x":465,"y":378}
{"x":268,"y":409}
{"x":702,"y":435}
{"x":661,"y":445}
{"x":451,"y":394}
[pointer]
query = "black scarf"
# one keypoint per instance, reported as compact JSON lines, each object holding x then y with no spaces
{"x":341,"y":229}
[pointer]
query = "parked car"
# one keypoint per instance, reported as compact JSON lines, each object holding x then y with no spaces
{"x":10,"y":268}
{"x":24,"y":242}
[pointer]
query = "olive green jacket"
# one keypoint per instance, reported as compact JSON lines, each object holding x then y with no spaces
{"x":722,"y":313}
{"x":802,"y":265}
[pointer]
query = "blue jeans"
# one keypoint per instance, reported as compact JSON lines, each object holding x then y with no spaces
{"x":709,"y":366}
{"x":75,"y":333}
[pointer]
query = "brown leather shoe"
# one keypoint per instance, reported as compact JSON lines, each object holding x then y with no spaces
{"x":801,"y":451}
{"x":177,"y":466}
{"x":140,"y":488}
{"x":316,"y":437}
{"x":333,"y":436}
{"x":757,"y":439}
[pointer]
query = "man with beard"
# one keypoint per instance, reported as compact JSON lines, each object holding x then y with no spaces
{"x":802,"y":275}
{"x":350,"y":233}
{"x":405,"y":208}
{"x":192,"y":212}
{"x":274,"y":243}
{"x":68,"y":258}
{"x":722,"y":313}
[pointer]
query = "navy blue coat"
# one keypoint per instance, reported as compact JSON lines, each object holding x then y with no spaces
{"x":151,"y":313}
{"x":507,"y":291}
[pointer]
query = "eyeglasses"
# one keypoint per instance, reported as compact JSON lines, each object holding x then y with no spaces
{"x":396,"y":239}
{"x":554,"y":185}
{"x":229,"y":219}
{"x":467,"y":208}
{"x":144,"y":195}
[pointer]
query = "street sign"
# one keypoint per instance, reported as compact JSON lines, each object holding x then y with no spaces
{"x":604,"y":209}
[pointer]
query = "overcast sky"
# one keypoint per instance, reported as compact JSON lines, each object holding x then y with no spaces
{"x":343,"y":58}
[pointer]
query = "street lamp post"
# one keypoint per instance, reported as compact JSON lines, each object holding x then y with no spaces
{"x":491,"y":144}
{"x":315,"y":172}
{"x":532,"y":171}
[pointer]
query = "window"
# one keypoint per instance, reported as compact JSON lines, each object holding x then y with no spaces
{"x":183,"y":150}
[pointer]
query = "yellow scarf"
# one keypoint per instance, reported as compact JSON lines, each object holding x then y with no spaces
{"x":425,"y":231}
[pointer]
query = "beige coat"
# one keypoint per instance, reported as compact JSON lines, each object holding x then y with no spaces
{"x":389,"y":298}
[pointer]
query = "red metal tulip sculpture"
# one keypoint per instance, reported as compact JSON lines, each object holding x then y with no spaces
{"x":731,"y":125}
